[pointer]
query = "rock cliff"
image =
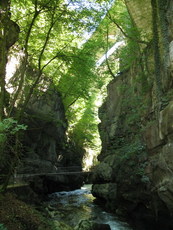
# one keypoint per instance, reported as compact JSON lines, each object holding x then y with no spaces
{"x":134,"y":176}
{"x":46,"y":149}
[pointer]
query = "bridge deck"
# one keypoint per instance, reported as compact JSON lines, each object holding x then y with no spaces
{"x":51,"y":174}
{"x":57,"y":171}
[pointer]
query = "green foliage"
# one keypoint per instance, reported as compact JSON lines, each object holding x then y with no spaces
{"x":50,"y":51}
{"x":79,"y":83}
{"x":128,"y":151}
{"x":130,"y":51}
{"x":2,"y":227}
{"x":54,"y":52}
{"x":10,"y":148}
{"x":18,"y":215}
{"x":51,"y":37}
{"x":56,"y":30}
{"x":133,"y":156}
{"x":79,"y":75}
{"x":120,"y":23}
{"x":135,"y":102}
{"x":9,"y":126}
{"x":128,"y":54}
{"x":83,"y":129}
{"x":86,"y":127}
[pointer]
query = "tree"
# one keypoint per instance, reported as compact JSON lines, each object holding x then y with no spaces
{"x":52,"y":50}
{"x":4,"y":45}
{"x":48,"y":49}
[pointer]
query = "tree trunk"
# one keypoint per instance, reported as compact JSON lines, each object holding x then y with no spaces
{"x":4,"y":19}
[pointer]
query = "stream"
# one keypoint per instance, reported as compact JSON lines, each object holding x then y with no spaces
{"x":71,"y":207}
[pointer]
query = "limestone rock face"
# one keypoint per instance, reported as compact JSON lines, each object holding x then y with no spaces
{"x":109,"y":113}
{"x":136,"y":162}
{"x":103,"y":172}
{"x":46,"y":149}
{"x":45,"y":139}
{"x":106,"y":191}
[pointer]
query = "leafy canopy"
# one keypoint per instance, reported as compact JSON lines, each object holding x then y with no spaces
{"x":56,"y":50}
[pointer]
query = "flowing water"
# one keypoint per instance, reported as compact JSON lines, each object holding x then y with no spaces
{"x":71,"y":207}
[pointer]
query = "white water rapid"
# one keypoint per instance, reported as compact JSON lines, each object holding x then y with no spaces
{"x":74,"y":206}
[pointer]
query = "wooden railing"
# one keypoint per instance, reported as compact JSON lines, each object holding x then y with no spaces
{"x":72,"y":170}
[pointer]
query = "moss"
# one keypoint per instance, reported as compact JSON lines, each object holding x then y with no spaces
{"x":162,"y":8}
{"x":164,"y":34}
{"x":16,"y":215}
{"x":157,"y":56}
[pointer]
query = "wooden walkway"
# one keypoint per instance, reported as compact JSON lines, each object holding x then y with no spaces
{"x":51,"y":174}
{"x":74,"y":170}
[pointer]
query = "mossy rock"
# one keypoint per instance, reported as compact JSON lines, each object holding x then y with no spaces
{"x":15,"y":215}
{"x":61,"y":226}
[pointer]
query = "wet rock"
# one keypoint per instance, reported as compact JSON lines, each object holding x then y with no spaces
{"x":88,"y":225}
{"x":97,"y":226}
{"x":106,"y":191}
{"x":61,"y":226}
{"x":84,"y":225}
{"x":103,"y":172}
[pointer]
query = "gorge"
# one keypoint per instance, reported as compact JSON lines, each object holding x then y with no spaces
{"x":50,"y":119}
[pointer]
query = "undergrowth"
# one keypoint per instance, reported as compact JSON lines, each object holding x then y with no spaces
{"x":17,"y":215}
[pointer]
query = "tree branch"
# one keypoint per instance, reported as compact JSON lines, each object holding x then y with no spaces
{"x":68,"y":106}
{"x":124,"y":33}
{"x":46,"y":41}
{"x":22,"y":74}
{"x":57,"y":55}
{"x":47,"y":38}
{"x":107,"y":62}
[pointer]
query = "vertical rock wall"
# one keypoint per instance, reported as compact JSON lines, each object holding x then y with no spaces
{"x":46,"y":149}
{"x":135,"y":173}
{"x":45,"y":137}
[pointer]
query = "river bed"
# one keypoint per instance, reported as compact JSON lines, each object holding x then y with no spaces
{"x":74,"y":206}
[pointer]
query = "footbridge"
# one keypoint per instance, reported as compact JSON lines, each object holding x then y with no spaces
{"x":57,"y":171}
{"x":23,"y":179}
